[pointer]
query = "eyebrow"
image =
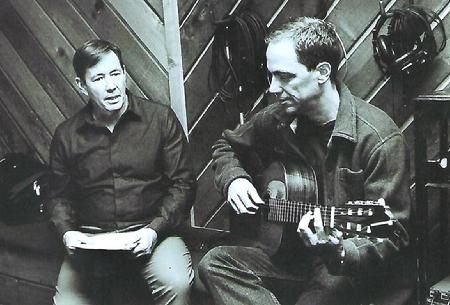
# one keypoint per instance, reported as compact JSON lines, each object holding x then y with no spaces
{"x":96,"y":75}
{"x":101,"y":74}
{"x":285,"y":73}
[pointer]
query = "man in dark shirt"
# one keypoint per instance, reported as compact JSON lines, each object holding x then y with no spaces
{"x":122,"y":186}
{"x":357,"y":153}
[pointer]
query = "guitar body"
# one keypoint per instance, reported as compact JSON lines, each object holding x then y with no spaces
{"x":280,"y":180}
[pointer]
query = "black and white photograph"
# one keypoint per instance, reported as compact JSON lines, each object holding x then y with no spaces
{"x":224,"y":152}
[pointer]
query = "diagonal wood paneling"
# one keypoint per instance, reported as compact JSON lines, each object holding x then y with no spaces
{"x":219,"y":117}
{"x":148,"y":74}
{"x":218,"y":112}
{"x":70,"y":27}
{"x":68,"y":20}
{"x":54,"y":29}
{"x":28,"y":86}
{"x":198,"y":93}
{"x":425,"y":81}
{"x":12,"y":137}
{"x":53,"y":81}
{"x":363,"y":76}
{"x":157,"y":7}
{"x":37,"y":91}
{"x":146,"y":24}
{"x":42,"y":28}
{"x":26,"y":119}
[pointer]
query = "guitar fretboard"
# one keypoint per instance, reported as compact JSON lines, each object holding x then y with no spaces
{"x":281,"y":210}
{"x":286,"y":211}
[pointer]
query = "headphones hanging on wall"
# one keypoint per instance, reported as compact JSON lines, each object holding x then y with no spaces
{"x":409,"y":42}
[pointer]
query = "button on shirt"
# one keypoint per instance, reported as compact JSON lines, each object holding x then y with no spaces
{"x":138,"y":174}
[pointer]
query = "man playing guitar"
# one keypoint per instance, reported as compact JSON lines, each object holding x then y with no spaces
{"x":348,"y":151}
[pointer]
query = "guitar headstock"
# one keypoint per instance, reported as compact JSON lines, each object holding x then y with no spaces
{"x":364,"y":217}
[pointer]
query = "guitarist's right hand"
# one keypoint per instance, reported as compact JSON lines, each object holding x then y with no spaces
{"x":243,"y":196}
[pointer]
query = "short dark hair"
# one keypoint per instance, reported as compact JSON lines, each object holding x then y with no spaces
{"x":315,"y":41}
{"x":89,"y":54}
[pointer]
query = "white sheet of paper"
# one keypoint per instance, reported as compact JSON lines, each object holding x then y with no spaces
{"x":110,"y":241}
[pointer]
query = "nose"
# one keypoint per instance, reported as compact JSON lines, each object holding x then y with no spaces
{"x":110,"y":84}
{"x":275,"y":86}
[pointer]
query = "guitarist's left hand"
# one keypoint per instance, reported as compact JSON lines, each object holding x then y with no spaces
{"x":324,"y":240}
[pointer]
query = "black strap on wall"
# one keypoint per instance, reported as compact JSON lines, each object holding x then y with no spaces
{"x":238,"y":64}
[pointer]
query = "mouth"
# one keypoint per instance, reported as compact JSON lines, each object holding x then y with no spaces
{"x":112,"y":98}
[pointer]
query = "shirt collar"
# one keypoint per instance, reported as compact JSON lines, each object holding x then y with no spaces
{"x":345,"y":125}
{"x":132,"y":112}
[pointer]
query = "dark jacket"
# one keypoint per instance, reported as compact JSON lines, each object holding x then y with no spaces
{"x":138,"y":175}
{"x":366,"y":159}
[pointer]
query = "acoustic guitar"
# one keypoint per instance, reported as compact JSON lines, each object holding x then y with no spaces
{"x":290,"y":191}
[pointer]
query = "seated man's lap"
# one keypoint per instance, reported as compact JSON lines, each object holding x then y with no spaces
{"x":119,"y":278}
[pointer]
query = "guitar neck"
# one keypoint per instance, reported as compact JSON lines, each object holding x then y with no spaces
{"x":286,"y":211}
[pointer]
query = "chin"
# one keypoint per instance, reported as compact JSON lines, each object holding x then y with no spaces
{"x":115,"y":107}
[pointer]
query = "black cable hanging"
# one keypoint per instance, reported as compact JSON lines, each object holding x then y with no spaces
{"x":238,"y":59}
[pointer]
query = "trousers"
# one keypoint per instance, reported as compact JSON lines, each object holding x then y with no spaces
{"x":115,"y":277}
{"x":246,"y":275}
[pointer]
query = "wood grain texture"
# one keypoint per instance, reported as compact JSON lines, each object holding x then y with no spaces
{"x":157,"y":7}
{"x":12,"y":136}
{"x":351,"y":32}
{"x":219,"y":115}
{"x":76,"y":31}
{"x":44,"y":31}
{"x":185,"y":7}
{"x":27,"y":121}
{"x":68,"y":20}
{"x":198,"y":91}
{"x":175,"y":66}
{"x":144,"y":69}
{"x":364,"y":74}
{"x":199,"y":28}
{"x":25,"y":82}
{"x":63,"y":95}
{"x":394,"y":97}
{"x":146,"y":25}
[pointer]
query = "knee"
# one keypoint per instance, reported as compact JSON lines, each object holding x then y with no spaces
{"x":174,"y":284}
{"x":211,"y":260}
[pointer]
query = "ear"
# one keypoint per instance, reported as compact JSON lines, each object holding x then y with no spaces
{"x":81,"y":85}
{"x":125,"y":73}
{"x":324,"y":69}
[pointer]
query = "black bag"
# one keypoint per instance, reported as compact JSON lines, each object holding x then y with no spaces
{"x":23,"y":189}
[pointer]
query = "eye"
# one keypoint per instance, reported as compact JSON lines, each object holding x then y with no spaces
{"x":285,"y":76}
{"x":116,"y":73}
{"x":97,"y":78}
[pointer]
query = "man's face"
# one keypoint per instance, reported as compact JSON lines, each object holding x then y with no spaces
{"x":295,"y":86}
{"x":106,"y":83}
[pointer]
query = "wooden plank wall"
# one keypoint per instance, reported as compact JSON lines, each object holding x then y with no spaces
{"x":37,"y":91}
{"x":38,"y":39}
{"x":207,"y":116}
{"x":37,"y":43}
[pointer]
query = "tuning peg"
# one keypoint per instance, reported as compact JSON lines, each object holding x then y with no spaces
{"x":381,"y":201}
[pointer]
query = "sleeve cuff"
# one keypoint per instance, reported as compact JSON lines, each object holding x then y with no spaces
{"x":238,"y":174}
{"x":158,"y":224}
